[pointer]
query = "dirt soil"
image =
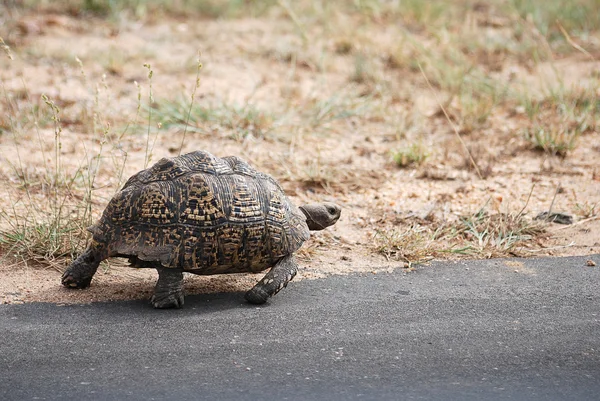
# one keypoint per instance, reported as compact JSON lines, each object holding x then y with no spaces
{"x":262,"y":65}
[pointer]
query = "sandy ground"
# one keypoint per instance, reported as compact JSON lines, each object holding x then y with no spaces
{"x":346,"y":160}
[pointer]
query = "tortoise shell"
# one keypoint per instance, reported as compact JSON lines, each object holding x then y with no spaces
{"x":203,"y":214}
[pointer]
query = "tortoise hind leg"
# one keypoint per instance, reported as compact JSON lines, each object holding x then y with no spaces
{"x":79,"y":274}
{"x":275,"y":280}
{"x":168,"y":292}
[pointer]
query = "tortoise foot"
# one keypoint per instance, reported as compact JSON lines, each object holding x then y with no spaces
{"x":274,"y":281}
{"x":80,"y":273}
{"x":169,"y":289}
{"x":167,"y":300}
{"x":71,"y":280}
{"x":257,"y":296}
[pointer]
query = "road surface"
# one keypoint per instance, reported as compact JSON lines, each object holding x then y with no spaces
{"x":479,"y":330}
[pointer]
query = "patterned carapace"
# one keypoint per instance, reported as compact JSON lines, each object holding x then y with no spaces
{"x":205,"y":214}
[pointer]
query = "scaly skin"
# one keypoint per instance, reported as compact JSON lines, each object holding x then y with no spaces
{"x":275,"y":280}
{"x":168,"y":292}
{"x":80,"y":273}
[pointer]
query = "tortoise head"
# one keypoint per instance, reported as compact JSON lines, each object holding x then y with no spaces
{"x":321,"y":215}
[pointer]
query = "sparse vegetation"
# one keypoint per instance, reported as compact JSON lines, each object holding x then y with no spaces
{"x":495,"y":235}
{"x":413,"y":154}
{"x":338,"y":107}
{"x":561,"y":118}
{"x":236,"y":122}
{"x":152,"y":8}
{"x":319,"y":95}
{"x":482,"y":235}
{"x":43,"y":223}
{"x":554,"y":140}
{"x":412,"y":245}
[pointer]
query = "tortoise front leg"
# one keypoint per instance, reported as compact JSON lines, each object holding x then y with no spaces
{"x":168,"y":292}
{"x":276,"y":279}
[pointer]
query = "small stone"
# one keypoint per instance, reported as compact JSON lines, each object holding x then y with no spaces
{"x":590,"y":262}
{"x":560,"y":218}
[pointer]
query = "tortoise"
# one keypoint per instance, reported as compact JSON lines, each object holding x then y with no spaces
{"x":206,"y":215}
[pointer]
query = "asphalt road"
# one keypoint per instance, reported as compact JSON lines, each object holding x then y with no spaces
{"x":450,"y":331}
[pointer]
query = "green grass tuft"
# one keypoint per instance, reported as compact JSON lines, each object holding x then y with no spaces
{"x":231,"y":120}
{"x":414,"y":154}
{"x":559,"y":119}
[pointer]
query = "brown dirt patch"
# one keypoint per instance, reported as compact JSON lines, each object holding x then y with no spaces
{"x":297,"y":111}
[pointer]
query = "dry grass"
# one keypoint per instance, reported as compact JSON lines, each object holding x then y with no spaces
{"x":413,"y":154}
{"x":494,"y":235}
{"x":43,"y":222}
{"x":558,"y":120}
{"x":413,"y":245}
{"x":480,"y":235}
{"x":51,"y":205}
{"x":233,"y":121}
{"x":326,"y":94}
